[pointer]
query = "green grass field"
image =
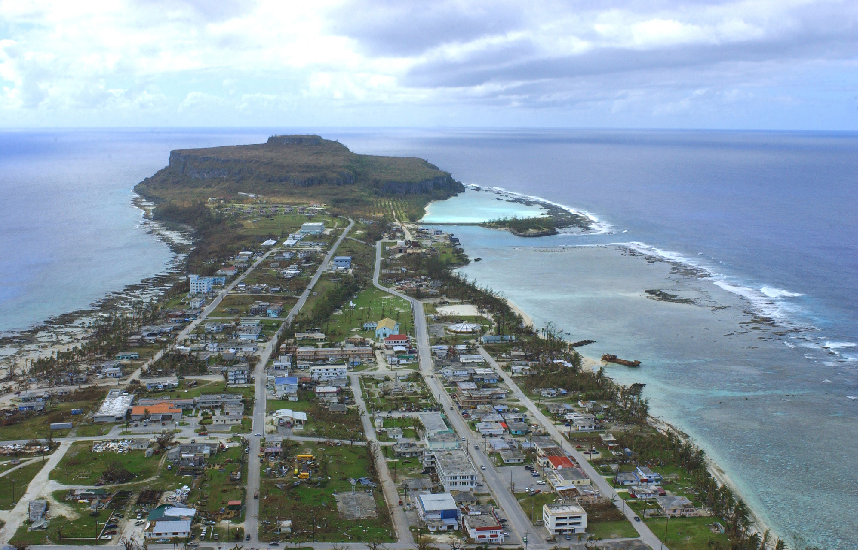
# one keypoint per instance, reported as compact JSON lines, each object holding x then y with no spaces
{"x":20,"y":479}
{"x":64,"y":530}
{"x":686,"y":533}
{"x":80,"y":466}
{"x":611,"y":529}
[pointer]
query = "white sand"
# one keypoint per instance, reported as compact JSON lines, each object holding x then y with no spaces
{"x":468,"y":310}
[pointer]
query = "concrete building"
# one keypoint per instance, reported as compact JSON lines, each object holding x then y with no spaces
{"x":114,"y":408}
{"x":345,"y":353}
{"x":286,"y":387}
{"x":566,"y":479}
{"x":455,"y":471}
{"x":676,"y":506}
{"x":167,"y":529}
{"x":561,"y":519}
{"x":483,"y":528}
{"x":200,"y":285}
{"x":237,"y":375}
{"x":439,"y":512}
{"x":343,"y":262}
{"x":161,"y":412}
{"x":328,"y":372}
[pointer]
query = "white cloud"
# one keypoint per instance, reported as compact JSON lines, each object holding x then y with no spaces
{"x":63,"y":60}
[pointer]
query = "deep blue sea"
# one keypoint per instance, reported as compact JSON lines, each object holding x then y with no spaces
{"x":758,"y":229}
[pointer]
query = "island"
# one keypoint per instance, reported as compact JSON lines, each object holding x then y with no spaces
{"x":316,"y":373}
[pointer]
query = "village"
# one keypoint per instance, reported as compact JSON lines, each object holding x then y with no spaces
{"x":327,"y":387}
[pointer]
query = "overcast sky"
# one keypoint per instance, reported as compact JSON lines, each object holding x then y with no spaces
{"x":778,"y":64}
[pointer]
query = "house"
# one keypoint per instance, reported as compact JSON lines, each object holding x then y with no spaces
{"x":227,"y":271}
{"x":676,"y":506}
{"x":343,"y":262}
{"x":455,"y":471}
{"x":625,"y":478}
{"x":520,"y":370}
{"x":645,"y":475}
{"x":166,"y":383}
{"x":215,"y":401}
{"x":518,"y":428}
{"x":386,"y":327}
{"x":274,"y":310}
{"x":396,"y":340}
{"x":111,"y":372}
{"x":127,"y":356}
{"x":370,"y":325}
{"x":169,"y":529}
{"x":581,"y":422}
{"x":286,"y":387}
{"x":289,"y":418}
{"x":564,"y":518}
{"x":160,"y":412}
{"x":439,"y":512}
{"x":483,"y":528}
{"x":496,"y":339}
{"x":327,"y":394}
{"x":490,"y":428}
{"x":511,"y":457}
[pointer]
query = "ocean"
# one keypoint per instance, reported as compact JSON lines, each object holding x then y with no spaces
{"x":752,"y":234}
{"x":69,"y":233}
{"x":755,"y":237}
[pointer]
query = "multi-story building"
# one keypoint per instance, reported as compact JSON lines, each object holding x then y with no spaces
{"x":564,"y":518}
{"x":328,"y":372}
{"x":439,"y":512}
{"x":455,"y":471}
{"x":483,"y":528}
{"x":200,"y":285}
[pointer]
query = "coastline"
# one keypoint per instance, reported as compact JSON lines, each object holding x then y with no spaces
{"x":719,"y":475}
{"x":66,"y":330}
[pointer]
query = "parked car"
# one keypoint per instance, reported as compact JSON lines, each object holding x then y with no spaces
{"x":568,"y":537}
{"x":482,"y":467}
{"x":247,"y":537}
{"x":637,"y":518}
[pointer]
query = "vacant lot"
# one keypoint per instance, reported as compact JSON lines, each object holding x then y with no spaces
{"x":19,"y":479}
{"x":311,"y":504}
{"x":81,"y":466}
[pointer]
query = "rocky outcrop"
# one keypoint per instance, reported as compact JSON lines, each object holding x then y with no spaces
{"x":209,"y":167}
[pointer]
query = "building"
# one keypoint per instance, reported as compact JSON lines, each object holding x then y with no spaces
{"x":290,"y":418}
{"x":166,"y":383}
{"x":167,"y":529}
{"x":455,"y":471}
{"x":559,"y":462}
{"x":566,"y":479}
{"x":328,"y":372}
{"x":625,"y":478}
{"x":346,"y":353}
{"x":200,"y":285}
{"x":483,"y":528}
{"x":215,"y":401}
{"x":343,"y":262}
{"x":328,"y":394}
{"x":114,"y":408}
{"x":237,"y":375}
{"x":160,"y":412}
{"x":127,"y":356}
{"x":184,"y":404}
{"x":433,"y":423}
{"x":394,"y":340}
{"x":564,"y":518}
{"x":37,"y":510}
{"x":675,"y":506}
{"x":111,"y":371}
{"x":311,"y":228}
{"x":439,"y":512}
{"x":286,"y":387}
{"x":386,"y":327}
{"x":645,"y":475}
{"x":370,"y":325}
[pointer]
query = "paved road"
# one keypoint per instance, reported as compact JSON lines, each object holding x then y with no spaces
{"x":391,"y":495}
{"x":251,"y":515}
{"x":518,"y":522}
{"x":604,"y":487}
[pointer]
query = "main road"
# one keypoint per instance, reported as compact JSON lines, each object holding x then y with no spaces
{"x":506,"y":501}
{"x":251,"y":514}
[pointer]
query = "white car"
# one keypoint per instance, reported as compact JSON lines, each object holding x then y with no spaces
{"x":257,"y":434}
{"x":540,"y":482}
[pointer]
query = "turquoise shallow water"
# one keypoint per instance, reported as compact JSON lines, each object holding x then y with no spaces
{"x":474,"y":207}
{"x":746,"y":392}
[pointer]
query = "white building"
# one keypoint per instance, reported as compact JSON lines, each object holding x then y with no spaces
{"x":180,"y":528}
{"x":328,"y":372}
{"x":114,"y":408}
{"x":564,"y":518}
{"x":483,"y":528}
{"x":200,"y":285}
{"x":311,"y":228}
{"x":439,"y":512}
{"x":455,"y":471}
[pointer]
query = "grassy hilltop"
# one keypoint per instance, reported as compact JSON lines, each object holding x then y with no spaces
{"x":304,"y":168}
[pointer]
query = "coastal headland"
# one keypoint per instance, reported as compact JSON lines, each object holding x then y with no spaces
{"x":317,"y":343}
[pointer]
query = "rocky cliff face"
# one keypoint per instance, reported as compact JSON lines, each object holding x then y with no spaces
{"x":441,"y":183}
{"x":211,"y":167}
